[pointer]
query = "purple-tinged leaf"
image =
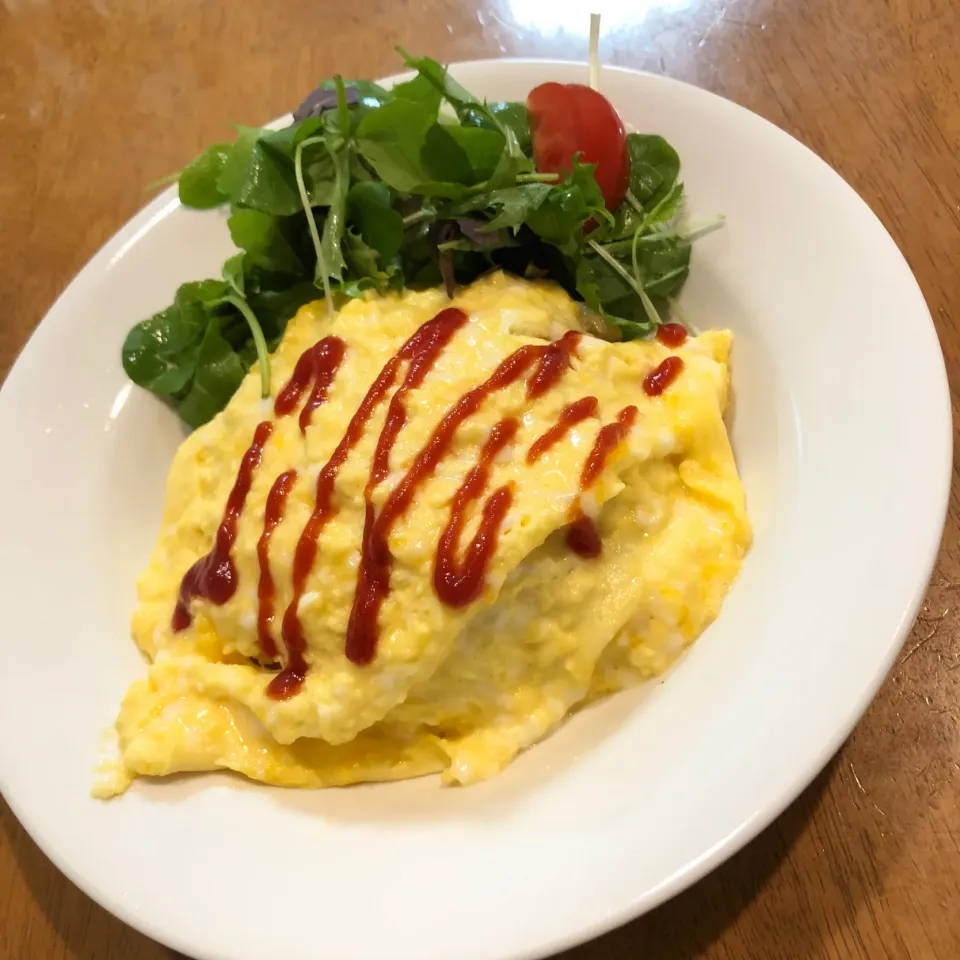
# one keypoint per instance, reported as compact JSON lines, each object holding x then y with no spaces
{"x":476,"y":232}
{"x":321,"y":100}
{"x":444,"y":232}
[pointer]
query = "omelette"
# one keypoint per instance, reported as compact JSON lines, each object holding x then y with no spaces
{"x":452,"y":524}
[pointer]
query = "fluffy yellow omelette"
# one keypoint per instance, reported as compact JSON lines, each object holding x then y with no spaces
{"x":458,"y":690}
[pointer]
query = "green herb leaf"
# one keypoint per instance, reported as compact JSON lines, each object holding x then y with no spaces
{"x":498,"y":115}
{"x":439,"y":76}
{"x":219,"y":371}
{"x":511,"y":165}
{"x":258,"y":173}
{"x":665,"y":266}
{"x":626,"y":222}
{"x":420,"y":90}
{"x":198,"y":179}
{"x":665,"y":210}
{"x":283,"y":142}
{"x":654,"y":167}
{"x":391,"y":140}
{"x":153,"y":350}
{"x":233,"y":274}
{"x":319,"y":173}
{"x":370,"y":207}
{"x":366,"y":267}
{"x":200,"y":295}
{"x":513,"y":205}
{"x":567,"y":208}
{"x":321,"y":269}
{"x":611,"y":288}
{"x":608,"y":295}
{"x":333,"y":226}
{"x":264,"y":238}
{"x":362,"y":258}
{"x":157,"y":348}
{"x":175,"y":380}
{"x":508,"y":119}
{"x":467,"y":155}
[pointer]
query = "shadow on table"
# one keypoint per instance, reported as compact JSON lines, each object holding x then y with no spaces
{"x":683,"y":928}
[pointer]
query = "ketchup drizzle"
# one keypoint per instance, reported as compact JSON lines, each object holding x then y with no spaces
{"x":318,"y":364}
{"x":421,"y":350}
{"x":553,"y":363}
{"x":672,"y":334}
{"x":657,"y":380}
{"x":459,"y":583}
{"x":376,"y":562}
{"x":583,"y":538}
{"x":266,"y":589}
{"x":214,"y":577}
{"x":582,"y":535}
{"x":570,"y":416}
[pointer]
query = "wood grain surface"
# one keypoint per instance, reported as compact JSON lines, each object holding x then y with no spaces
{"x":99,"y":98}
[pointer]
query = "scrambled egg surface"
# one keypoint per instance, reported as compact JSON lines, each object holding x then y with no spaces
{"x":453,"y":690}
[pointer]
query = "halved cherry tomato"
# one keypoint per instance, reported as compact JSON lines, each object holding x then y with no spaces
{"x":567,"y":119}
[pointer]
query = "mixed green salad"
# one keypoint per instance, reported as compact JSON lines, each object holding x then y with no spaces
{"x":371,"y":189}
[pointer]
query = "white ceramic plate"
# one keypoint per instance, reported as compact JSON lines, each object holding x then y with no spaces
{"x":842,"y":434}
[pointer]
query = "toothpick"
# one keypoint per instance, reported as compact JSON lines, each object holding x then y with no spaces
{"x":595,"y":51}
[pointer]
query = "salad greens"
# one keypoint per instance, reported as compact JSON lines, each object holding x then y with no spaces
{"x":421,"y":185}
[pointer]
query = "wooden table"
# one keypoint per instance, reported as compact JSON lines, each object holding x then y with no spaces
{"x":99,"y":98}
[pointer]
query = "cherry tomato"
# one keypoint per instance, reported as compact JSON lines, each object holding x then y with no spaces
{"x":567,"y":119}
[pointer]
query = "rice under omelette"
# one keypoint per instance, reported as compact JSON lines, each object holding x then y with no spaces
{"x":389,"y":605}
